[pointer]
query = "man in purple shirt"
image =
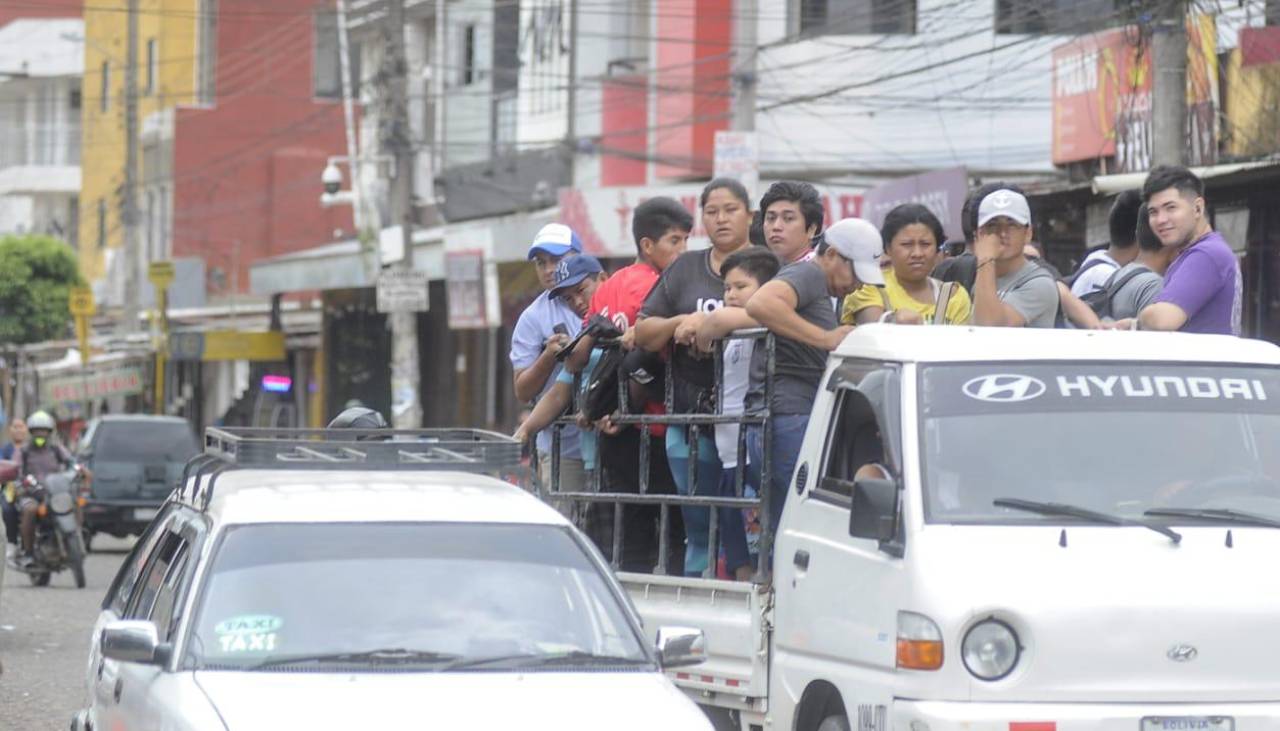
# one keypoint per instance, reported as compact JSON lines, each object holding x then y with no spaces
{"x":1202,"y":288}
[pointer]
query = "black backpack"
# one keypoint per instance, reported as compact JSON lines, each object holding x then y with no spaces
{"x":1099,"y":300}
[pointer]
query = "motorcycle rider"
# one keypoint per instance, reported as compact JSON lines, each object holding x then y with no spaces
{"x":38,"y":458}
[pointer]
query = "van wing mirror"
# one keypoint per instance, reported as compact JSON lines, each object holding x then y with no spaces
{"x":874,"y":513}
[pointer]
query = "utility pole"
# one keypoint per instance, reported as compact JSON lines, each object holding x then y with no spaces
{"x":744,"y":66}
{"x":1169,"y":89}
{"x":129,"y":199}
{"x":406,"y":404}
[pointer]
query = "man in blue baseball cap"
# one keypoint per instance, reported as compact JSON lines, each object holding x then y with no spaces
{"x":546,"y":326}
{"x":576,"y":280}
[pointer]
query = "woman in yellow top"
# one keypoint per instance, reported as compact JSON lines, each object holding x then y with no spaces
{"x":912,"y":236}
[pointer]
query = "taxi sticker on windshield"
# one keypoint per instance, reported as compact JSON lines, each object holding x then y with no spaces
{"x":248,"y":633}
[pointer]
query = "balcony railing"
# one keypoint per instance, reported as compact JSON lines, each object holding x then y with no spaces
{"x":40,"y":145}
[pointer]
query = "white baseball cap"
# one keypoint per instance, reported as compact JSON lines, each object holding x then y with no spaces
{"x":555,"y":239}
{"x":1005,"y":203}
{"x":858,"y":241}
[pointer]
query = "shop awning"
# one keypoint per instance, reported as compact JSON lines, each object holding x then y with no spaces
{"x":1111,"y":184}
{"x":339,"y":265}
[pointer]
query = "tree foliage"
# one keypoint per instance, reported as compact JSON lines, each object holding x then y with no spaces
{"x":36,"y":275}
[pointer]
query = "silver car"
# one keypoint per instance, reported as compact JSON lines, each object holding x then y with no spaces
{"x":344,"y":600}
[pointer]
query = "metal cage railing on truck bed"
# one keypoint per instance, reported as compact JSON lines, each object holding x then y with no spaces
{"x":695,"y":422}
{"x":230,"y":448}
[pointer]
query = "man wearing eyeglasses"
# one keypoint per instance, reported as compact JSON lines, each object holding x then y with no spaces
{"x":1009,"y":291}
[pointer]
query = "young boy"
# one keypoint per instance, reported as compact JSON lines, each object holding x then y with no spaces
{"x":743,"y":272}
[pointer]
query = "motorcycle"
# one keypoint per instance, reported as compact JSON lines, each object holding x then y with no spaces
{"x":59,"y":543}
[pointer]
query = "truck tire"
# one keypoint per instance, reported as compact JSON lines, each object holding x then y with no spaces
{"x":834,"y":723}
{"x":75,"y":557}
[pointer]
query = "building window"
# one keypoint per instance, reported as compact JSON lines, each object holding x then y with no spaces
{"x":468,"y":65}
{"x":207,"y":48}
{"x":102,"y":223}
{"x":856,"y":17}
{"x":1056,"y":17}
{"x":104,"y":91}
{"x":327,"y":59}
{"x":153,"y":66}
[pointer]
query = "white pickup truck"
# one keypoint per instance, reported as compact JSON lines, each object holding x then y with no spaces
{"x":1079,"y":531}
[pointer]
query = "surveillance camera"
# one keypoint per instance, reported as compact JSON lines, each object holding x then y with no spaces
{"x":331,"y":178}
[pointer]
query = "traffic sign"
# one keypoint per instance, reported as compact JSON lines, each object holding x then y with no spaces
{"x":403,"y":290}
{"x":80,"y":302}
{"x":161,"y":274}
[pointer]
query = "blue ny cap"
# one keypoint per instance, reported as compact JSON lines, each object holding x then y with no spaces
{"x":573,"y":270}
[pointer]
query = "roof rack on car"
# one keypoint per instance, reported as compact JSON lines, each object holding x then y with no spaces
{"x":226,"y":448}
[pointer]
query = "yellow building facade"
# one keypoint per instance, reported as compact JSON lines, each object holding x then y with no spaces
{"x":173,"y":37}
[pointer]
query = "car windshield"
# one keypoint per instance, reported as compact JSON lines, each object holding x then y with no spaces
{"x":437,"y":595}
{"x":144,"y":441}
{"x":1119,"y":439}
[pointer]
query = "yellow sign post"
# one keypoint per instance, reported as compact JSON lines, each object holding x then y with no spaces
{"x":161,"y":275}
{"x":80,"y":302}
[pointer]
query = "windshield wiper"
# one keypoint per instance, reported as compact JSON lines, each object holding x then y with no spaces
{"x":382,"y":656}
{"x":575,"y":657}
{"x":1073,"y":511}
{"x":1222,"y":515}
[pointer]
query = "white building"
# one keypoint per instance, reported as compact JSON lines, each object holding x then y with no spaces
{"x":40,"y":68}
{"x":899,"y":86}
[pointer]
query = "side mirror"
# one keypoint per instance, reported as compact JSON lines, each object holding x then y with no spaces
{"x":134,"y":641}
{"x":874,"y":513}
{"x":680,"y":646}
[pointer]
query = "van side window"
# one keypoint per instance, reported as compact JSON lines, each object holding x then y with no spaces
{"x":860,"y":438}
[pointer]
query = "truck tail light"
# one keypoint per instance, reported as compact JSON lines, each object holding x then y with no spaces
{"x":919,"y":642}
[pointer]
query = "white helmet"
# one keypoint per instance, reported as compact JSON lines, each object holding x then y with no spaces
{"x":41,"y":420}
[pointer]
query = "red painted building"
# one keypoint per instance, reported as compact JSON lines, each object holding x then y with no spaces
{"x":247,"y":168}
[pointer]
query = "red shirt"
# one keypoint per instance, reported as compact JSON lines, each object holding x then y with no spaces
{"x":622,"y":294}
{"x":620,"y":299}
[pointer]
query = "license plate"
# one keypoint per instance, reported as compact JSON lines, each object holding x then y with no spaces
{"x":145,"y":513}
{"x":1188,"y":723}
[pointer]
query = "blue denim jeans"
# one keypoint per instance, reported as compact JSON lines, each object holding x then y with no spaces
{"x":733,"y":532}
{"x":697,"y":521}
{"x":788,"y":435}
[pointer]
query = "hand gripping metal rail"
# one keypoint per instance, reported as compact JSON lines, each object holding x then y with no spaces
{"x":228,"y":448}
{"x":696,"y":423}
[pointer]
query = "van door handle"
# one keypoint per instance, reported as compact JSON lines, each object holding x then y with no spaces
{"x":801,"y":560}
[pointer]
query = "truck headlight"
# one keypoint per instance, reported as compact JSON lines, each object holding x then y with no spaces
{"x":990,"y":649}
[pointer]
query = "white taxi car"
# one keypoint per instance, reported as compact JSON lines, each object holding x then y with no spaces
{"x":362,"y":599}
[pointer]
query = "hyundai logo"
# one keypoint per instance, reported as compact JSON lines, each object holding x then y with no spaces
{"x":1004,"y":388}
{"x":1182,"y":653}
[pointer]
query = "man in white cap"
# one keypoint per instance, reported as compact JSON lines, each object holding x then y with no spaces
{"x":1009,"y":291}
{"x":546,"y":326}
{"x":797,"y":306}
